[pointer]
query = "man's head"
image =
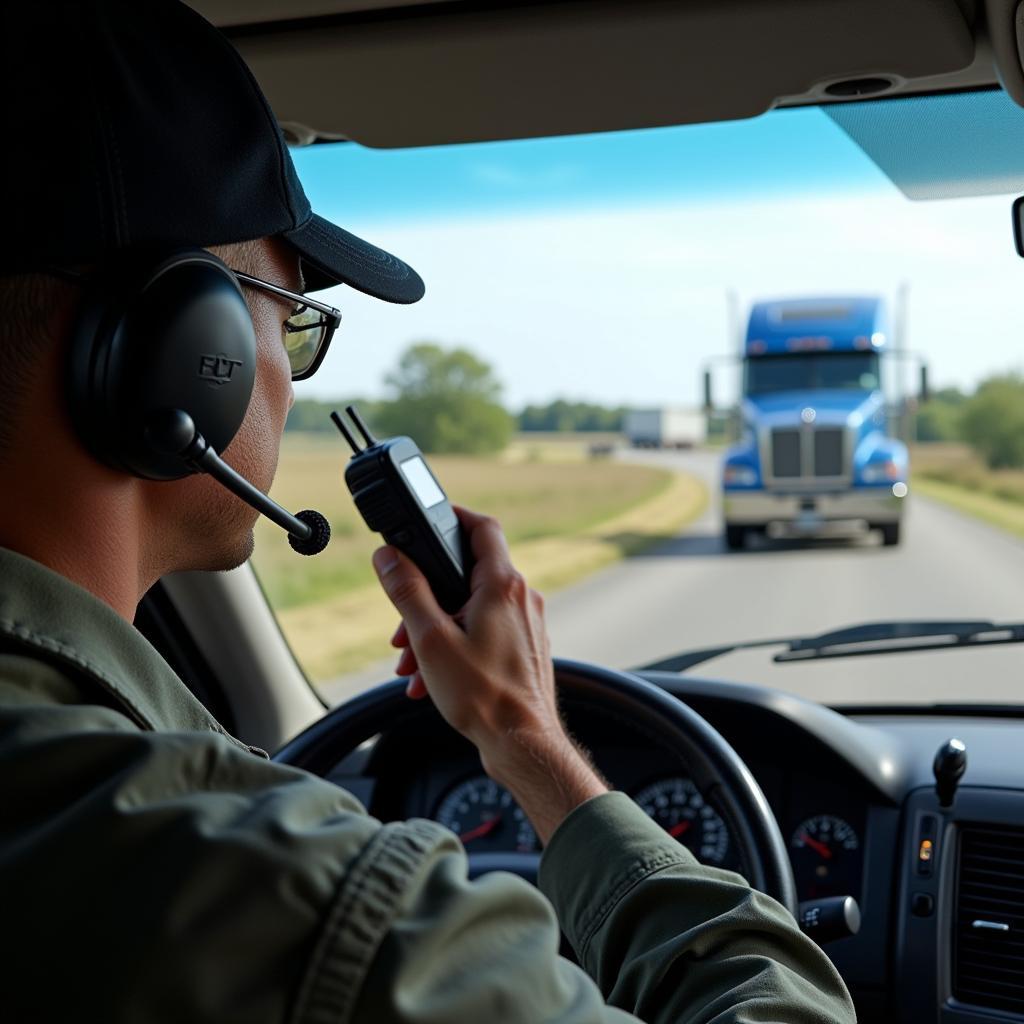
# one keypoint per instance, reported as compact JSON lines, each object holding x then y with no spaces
{"x":192,"y":523}
{"x":134,"y":157}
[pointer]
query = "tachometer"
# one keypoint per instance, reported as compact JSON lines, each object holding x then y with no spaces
{"x":678,"y":806}
{"x":825,"y":851}
{"x":486,"y":818}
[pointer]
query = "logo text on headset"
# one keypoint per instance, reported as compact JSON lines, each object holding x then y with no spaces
{"x":217,"y":370}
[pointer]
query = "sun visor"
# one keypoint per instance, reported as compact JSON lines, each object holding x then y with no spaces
{"x":1005,"y":20}
{"x":400,"y":73}
{"x":941,"y":147}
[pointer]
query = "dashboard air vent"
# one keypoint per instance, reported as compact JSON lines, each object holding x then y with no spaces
{"x":988,"y":929}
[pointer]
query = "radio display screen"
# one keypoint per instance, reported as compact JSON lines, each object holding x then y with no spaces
{"x":420,"y":480}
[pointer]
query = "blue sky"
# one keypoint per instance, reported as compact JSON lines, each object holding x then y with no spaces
{"x":600,"y":266}
{"x":788,"y":152}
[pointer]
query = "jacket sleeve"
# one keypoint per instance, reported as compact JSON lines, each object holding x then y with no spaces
{"x":666,"y":939}
{"x":671,"y":940}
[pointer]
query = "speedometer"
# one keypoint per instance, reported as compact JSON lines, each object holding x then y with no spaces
{"x":825,"y":851}
{"x":678,"y":806}
{"x":486,"y":818}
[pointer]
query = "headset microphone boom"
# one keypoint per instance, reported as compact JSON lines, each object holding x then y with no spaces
{"x":174,"y":433}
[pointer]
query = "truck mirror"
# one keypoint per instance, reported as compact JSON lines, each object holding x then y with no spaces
{"x":709,"y":405}
{"x":925,"y":392}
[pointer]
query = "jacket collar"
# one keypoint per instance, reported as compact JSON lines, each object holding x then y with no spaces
{"x":46,"y":615}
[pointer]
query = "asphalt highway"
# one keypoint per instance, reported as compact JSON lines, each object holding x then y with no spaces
{"x":690,"y":592}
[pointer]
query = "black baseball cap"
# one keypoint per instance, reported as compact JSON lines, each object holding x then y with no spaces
{"x":135,"y":124}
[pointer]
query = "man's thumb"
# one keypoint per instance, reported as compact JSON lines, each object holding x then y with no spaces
{"x":409,"y":591}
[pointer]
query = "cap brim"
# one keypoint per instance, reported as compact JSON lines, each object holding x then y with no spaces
{"x":331,"y":256}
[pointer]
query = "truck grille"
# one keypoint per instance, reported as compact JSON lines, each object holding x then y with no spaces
{"x":786,"y":458}
{"x":828,"y":452}
{"x":808,"y":453}
{"x":988,"y":929}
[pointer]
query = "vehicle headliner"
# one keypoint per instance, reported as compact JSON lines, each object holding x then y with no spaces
{"x":392,"y":73}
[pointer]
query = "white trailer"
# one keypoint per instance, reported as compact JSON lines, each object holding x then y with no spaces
{"x":666,"y":427}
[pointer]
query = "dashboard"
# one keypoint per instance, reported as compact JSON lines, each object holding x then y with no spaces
{"x":822,"y":820}
{"x":851,"y":794}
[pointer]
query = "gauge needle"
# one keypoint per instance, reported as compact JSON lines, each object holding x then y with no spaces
{"x":678,"y":829}
{"x":816,"y":845}
{"x":481,"y":830}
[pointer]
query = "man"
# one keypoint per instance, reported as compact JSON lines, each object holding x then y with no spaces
{"x":153,"y":867}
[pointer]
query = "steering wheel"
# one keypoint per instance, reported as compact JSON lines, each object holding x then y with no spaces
{"x":642,"y":708}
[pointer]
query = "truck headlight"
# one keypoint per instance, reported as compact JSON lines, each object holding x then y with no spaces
{"x":880,"y":472}
{"x":739,"y":476}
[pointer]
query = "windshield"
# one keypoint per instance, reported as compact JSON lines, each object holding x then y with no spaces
{"x":846,"y":371}
{"x":585,"y":297}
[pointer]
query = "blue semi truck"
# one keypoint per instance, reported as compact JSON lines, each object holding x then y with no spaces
{"x":816,"y":447}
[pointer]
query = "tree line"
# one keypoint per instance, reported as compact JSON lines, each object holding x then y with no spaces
{"x":450,"y":401}
{"x":991,"y":420}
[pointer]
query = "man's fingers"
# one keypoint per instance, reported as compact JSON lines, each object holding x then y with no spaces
{"x":406,"y":663}
{"x":487,"y":542}
{"x":400,"y":638}
{"x":411,"y":595}
{"x":469,"y":518}
{"x":416,"y":689}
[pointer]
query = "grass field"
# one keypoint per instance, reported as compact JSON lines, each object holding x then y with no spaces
{"x":953,"y":473}
{"x":565,"y":515}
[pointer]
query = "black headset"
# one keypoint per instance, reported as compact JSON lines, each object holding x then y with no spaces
{"x":171,"y":333}
{"x":161,"y":370}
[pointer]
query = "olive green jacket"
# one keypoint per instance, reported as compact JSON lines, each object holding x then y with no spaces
{"x":154,"y":868}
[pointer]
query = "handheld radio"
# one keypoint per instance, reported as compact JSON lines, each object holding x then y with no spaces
{"x":398,"y":497}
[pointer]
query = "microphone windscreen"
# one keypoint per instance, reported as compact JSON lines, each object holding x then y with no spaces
{"x":320,"y":533}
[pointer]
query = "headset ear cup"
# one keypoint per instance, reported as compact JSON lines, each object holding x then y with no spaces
{"x":181,"y":338}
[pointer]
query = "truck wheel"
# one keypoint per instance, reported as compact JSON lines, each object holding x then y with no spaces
{"x":890,"y":534}
{"x":735,"y":537}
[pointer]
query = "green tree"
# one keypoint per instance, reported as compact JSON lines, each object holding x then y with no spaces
{"x":939,"y":418}
{"x":565,"y":415}
{"x":313,"y":415}
{"x":993,"y":421}
{"x":448,"y":400}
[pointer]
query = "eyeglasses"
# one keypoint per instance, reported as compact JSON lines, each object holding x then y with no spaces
{"x":307,"y":332}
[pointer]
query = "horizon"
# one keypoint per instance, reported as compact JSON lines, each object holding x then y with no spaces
{"x":599,"y":268}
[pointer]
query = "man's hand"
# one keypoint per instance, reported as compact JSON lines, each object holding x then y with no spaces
{"x":489,"y":673}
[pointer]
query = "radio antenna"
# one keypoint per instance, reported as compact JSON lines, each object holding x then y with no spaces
{"x":360,"y":425}
{"x":340,"y":424}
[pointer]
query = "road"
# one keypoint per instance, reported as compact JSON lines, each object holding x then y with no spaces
{"x":689,"y":592}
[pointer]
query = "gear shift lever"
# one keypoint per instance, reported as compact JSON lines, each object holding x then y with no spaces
{"x":949,"y":767}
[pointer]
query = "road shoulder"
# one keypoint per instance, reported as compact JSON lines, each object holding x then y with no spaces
{"x":365,"y":618}
{"x":1000,"y":512}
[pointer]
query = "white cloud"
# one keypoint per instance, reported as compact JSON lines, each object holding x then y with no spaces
{"x":509,"y":177}
{"x":626,"y":304}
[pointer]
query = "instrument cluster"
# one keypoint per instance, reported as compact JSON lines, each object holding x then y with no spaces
{"x":824,"y":847}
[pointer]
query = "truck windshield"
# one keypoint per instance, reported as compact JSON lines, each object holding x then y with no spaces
{"x":842,"y":370}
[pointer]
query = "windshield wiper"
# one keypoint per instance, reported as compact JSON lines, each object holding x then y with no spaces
{"x":868,"y":638}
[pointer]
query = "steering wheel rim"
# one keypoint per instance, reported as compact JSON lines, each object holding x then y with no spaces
{"x":717,"y":770}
